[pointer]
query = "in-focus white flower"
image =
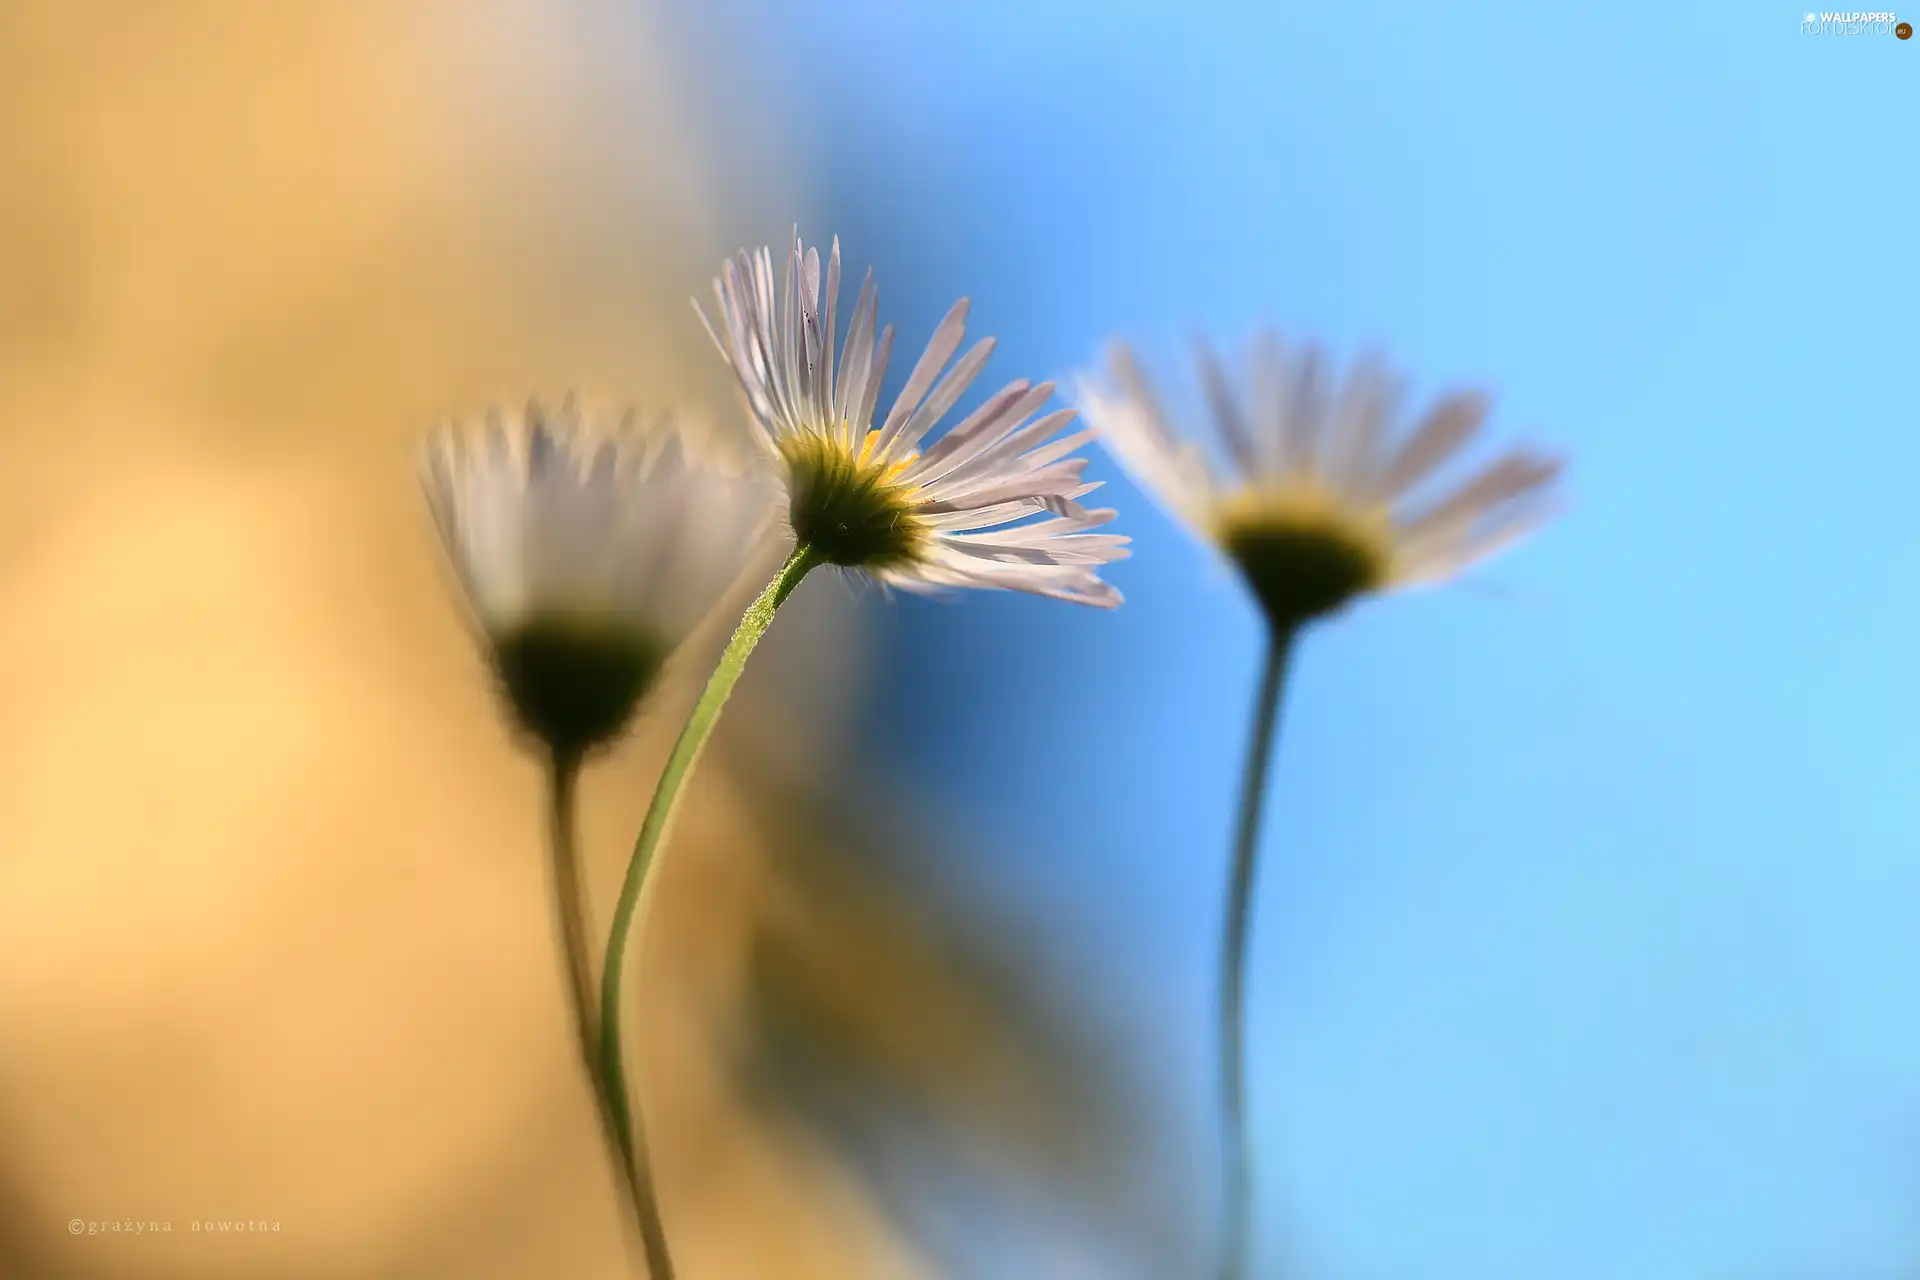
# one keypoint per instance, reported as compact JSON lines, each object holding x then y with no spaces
{"x":956,"y":513}
{"x":1325,"y":498}
{"x":587,"y":551}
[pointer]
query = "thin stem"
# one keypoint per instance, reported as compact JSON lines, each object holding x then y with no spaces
{"x":569,"y":906}
{"x":635,"y":892}
{"x":1238,"y":1206}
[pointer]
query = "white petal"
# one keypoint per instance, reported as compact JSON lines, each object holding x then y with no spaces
{"x":824,"y":405}
{"x":940,"y":348}
{"x":1514,"y":476}
{"x":1225,"y":407}
{"x":1448,"y":426}
{"x":1174,"y":473}
{"x":981,"y":429}
{"x":870,"y":394}
{"x":1362,"y":414}
{"x":860,"y":340}
{"x":1434,"y":560}
{"x":942,"y":398}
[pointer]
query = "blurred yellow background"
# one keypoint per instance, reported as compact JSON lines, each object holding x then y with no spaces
{"x":274,"y":944}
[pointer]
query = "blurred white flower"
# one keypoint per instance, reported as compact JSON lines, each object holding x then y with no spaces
{"x":955,"y":514}
{"x":1325,"y":499}
{"x":587,"y":552}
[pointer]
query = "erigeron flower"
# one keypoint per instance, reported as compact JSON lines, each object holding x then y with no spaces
{"x":586,"y":550}
{"x":992,"y":502}
{"x":958,"y":512}
{"x":1325,"y":498}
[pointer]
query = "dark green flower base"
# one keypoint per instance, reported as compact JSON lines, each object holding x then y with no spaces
{"x":1299,"y":573}
{"x":574,"y":685}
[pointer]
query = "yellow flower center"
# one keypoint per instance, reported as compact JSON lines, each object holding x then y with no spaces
{"x":1303,"y":550}
{"x":890,"y":473}
{"x":847,"y":504}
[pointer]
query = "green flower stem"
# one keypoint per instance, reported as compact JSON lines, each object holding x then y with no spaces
{"x":569,"y":905}
{"x":633,"y":893}
{"x":1238,"y":1207}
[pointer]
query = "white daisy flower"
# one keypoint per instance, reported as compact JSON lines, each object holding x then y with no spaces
{"x":953,"y":514}
{"x":587,"y":551}
{"x":1326,"y":499}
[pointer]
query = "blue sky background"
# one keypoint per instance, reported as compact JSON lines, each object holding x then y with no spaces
{"x":1588,"y":941}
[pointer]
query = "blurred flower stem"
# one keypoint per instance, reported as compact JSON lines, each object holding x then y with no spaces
{"x":628,"y":1126}
{"x":570,"y":916}
{"x":1238,"y":1191}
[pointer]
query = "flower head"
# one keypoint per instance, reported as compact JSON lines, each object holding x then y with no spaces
{"x":587,"y":551}
{"x":1326,"y":499}
{"x":956,"y":513}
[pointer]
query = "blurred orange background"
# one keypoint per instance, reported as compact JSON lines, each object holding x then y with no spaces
{"x":274,"y":942}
